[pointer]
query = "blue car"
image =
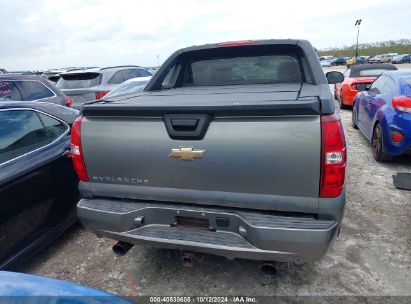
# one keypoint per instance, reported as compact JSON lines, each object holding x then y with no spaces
{"x":383,"y":114}
{"x":23,"y":288}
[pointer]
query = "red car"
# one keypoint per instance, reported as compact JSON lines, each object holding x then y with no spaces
{"x":356,"y":79}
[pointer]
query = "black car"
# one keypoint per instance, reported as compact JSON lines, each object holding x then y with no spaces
{"x":361,"y":60}
{"x":19,"y":87}
{"x":338,"y":61}
{"x":38,"y":186}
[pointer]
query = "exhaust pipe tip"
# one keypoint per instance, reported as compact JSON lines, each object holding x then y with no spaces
{"x":188,"y":259}
{"x":269,"y":269}
{"x":121,"y":248}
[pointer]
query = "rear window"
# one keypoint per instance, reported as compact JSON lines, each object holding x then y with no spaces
{"x":54,"y":78}
{"x":243,"y":70}
{"x":24,"y":90}
{"x":79,"y":81}
{"x":54,"y":127}
{"x":34,"y":90}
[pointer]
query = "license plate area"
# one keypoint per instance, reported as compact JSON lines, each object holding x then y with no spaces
{"x":192,"y":222}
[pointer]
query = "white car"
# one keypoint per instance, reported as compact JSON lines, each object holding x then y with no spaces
{"x":133,"y":85}
{"x":326,"y":58}
{"x":325,"y":63}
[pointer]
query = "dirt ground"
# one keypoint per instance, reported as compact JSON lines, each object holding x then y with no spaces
{"x":371,"y":257}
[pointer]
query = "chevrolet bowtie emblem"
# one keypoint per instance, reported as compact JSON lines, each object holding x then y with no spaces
{"x":186,"y":153}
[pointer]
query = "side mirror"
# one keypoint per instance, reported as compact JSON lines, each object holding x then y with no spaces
{"x":334,"y":77}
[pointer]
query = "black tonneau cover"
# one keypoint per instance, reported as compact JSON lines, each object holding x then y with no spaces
{"x":262,"y":100}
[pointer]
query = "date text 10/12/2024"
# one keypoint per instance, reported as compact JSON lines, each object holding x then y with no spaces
{"x":204,"y":299}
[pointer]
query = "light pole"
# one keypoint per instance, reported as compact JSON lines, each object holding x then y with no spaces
{"x":158,"y":60}
{"x":357,"y":24}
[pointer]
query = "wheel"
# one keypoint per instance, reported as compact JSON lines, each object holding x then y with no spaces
{"x":378,"y":61}
{"x":376,"y":145}
{"x":342,"y":105}
{"x":353,"y":114}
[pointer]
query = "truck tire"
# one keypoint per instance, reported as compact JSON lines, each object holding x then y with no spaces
{"x":376,"y":145}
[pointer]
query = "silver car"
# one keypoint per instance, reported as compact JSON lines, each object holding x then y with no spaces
{"x":91,"y":84}
{"x":19,"y":87}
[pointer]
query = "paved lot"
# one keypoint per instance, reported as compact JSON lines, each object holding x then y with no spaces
{"x":371,"y":256}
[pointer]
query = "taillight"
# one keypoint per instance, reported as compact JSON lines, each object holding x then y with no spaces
{"x":397,"y":137}
{"x":402,"y":103}
{"x":101,"y":94}
{"x":237,"y":43}
{"x":76,"y":150}
{"x":333,"y":156}
{"x":68,"y":102}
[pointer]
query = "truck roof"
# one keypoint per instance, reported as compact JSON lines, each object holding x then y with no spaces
{"x":313,"y":84}
{"x":242,"y":43}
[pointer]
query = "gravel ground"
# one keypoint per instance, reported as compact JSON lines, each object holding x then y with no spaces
{"x":371,"y":257}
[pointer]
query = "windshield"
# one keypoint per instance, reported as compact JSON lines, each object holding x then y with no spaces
{"x":371,"y":72}
{"x":405,"y":86}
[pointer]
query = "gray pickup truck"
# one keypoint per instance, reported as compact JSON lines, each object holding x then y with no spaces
{"x":233,"y":149}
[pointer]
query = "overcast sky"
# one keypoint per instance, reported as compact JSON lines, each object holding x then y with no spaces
{"x":44,"y":34}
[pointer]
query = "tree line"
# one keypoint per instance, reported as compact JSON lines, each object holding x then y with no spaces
{"x":401,"y":46}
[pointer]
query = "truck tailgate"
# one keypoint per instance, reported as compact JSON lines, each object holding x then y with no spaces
{"x":260,"y":161}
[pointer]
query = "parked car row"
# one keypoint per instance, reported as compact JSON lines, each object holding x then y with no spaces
{"x":327,"y":61}
{"x":358,"y":78}
{"x":74,"y":87}
{"x":380,"y":97}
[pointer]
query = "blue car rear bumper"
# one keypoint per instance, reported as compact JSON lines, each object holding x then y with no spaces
{"x":400,"y":122}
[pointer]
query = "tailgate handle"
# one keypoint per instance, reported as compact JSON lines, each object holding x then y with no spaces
{"x":187,"y":126}
{"x":184,"y":124}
